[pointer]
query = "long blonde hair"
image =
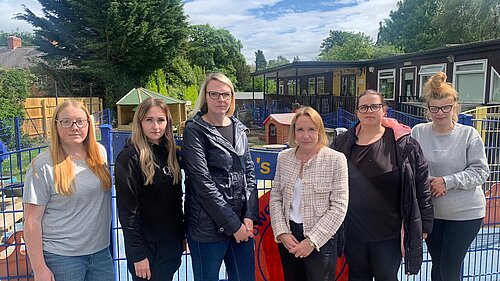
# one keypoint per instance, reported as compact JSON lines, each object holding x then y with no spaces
{"x":141,"y":144}
{"x":201,"y":101}
{"x":437,"y":88}
{"x":63,"y":165}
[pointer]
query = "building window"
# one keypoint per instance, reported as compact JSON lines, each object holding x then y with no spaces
{"x":386,"y":83}
{"x":321,"y":84}
{"x":426,"y":71}
{"x":291,"y":87}
{"x":280,"y":91}
{"x":470,"y":80}
{"x":312,"y":86}
{"x":495,"y":86}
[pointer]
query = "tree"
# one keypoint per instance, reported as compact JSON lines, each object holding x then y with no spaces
{"x":216,"y":50}
{"x":119,"y":43}
{"x":419,"y":25}
{"x":260,"y":60}
{"x":27,"y":38}
{"x":344,"y":45}
{"x":280,"y":60}
{"x":15,"y":87}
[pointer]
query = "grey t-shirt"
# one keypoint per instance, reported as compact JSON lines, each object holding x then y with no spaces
{"x":74,"y":225}
{"x":459,"y":158}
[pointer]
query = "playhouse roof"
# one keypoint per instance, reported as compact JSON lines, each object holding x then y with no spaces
{"x":137,"y":95}
{"x":281,"y":118}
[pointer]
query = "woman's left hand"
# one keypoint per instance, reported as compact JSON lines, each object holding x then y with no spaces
{"x":249,"y":226}
{"x":438,"y":186}
{"x":303,"y":249}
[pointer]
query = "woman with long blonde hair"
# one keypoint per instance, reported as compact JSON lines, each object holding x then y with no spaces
{"x":149,"y":195}
{"x":67,"y":202}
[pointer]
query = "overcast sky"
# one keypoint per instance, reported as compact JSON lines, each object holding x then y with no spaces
{"x":277,"y":27}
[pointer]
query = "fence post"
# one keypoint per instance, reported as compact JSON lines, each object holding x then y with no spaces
{"x":44,"y":119}
{"x":465,"y":119}
{"x":17,"y":128}
{"x":107,"y":140}
{"x":108,"y":116}
{"x":389,"y":112}
{"x":340,"y":115}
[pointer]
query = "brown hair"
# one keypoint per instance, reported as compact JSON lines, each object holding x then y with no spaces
{"x":370,"y":92}
{"x":140,"y":141}
{"x":201,"y":101}
{"x":436,"y":88}
{"x":316,"y":119}
{"x":63,"y":166}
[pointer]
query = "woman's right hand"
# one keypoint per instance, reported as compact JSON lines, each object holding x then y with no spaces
{"x":142,"y":269}
{"x":242,"y":234}
{"x":44,"y":274}
{"x":288,"y":240}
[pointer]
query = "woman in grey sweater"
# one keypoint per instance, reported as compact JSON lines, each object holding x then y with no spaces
{"x":457,"y":168}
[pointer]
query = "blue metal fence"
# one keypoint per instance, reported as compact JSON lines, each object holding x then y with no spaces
{"x":482,"y":261}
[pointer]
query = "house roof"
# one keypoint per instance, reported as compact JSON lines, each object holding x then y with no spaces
{"x":281,"y":118}
{"x":137,"y":95}
{"x":22,"y":57}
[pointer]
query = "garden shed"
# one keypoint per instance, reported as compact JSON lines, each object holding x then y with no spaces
{"x":278,"y":127}
{"x":127,"y":106}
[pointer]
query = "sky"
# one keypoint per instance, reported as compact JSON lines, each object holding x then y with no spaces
{"x":277,"y":27}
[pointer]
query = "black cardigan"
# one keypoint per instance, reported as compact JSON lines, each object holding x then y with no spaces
{"x":147,"y":213}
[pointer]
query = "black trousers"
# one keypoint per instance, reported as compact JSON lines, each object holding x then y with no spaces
{"x":448,"y":244}
{"x":367,"y":260}
{"x":164,"y":260}
{"x":318,"y":266}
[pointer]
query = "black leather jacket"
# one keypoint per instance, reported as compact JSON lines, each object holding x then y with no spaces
{"x":416,"y":206}
{"x":220,"y":181}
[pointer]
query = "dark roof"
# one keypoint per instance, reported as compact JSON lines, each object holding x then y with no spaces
{"x":22,"y":57}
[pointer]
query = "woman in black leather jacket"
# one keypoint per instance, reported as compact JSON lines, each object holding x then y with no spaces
{"x":221,"y":196}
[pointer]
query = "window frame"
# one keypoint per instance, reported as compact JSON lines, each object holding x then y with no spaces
{"x":429,"y":74}
{"x":483,"y":71}
{"x":392,"y":71}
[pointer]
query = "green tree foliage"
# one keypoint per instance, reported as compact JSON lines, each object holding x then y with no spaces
{"x":418,"y":25}
{"x":15,"y":87}
{"x":260,"y":60}
{"x":216,"y":50}
{"x":27,"y":38}
{"x":280,"y":60}
{"x":344,"y":45}
{"x":119,"y":43}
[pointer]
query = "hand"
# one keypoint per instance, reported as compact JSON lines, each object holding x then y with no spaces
{"x":249,"y":226}
{"x":242,"y":234}
{"x":184,"y":246}
{"x":44,"y":274}
{"x":438,"y":186}
{"x":289,"y":241}
{"x":303,"y":249}
{"x":425,"y":235}
{"x":142,"y":269}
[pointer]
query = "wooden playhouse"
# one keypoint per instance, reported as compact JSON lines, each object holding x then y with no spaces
{"x":127,"y":105}
{"x":278,"y":127}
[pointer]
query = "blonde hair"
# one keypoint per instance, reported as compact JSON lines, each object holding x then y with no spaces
{"x":436,"y":88}
{"x":201,"y":101}
{"x":63,"y":165}
{"x":141,"y":144}
{"x":316,"y":119}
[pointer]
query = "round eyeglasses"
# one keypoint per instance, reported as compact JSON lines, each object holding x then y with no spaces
{"x":215,"y":95}
{"x":373,"y":107}
{"x":445,"y":108}
{"x":67,"y":123}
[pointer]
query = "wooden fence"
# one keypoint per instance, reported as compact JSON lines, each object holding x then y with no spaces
{"x":39,"y":113}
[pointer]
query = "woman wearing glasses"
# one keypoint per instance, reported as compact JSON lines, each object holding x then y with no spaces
{"x":389,"y":196}
{"x":221,"y":197}
{"x":457,"y":167}
{"x":67,"y":202}
{"x":149,"y":195}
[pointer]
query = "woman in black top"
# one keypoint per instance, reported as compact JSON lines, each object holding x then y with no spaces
{"x":149,"y":195}
{"x":388,"y":194}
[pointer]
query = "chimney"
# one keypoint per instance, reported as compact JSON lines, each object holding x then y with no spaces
{"x":13,"y":42}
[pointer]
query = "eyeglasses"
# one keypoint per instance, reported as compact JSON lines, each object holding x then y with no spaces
{"x":372,"y":107}
{"x":67,"y":123}
{"x":215,"y":95}
{"x":444,"y":108}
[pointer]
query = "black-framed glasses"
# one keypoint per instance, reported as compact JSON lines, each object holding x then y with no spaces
{"x":373,"y":107}
{"x":67,"y":123}
{"x":215,"y":95}
{"x":445,"y":108}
